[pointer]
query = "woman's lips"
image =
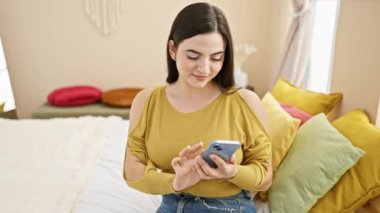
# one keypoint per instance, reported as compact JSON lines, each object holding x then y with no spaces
{"x":200,"y":77}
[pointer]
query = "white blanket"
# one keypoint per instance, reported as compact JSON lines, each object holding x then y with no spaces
{"x":106,"y":190}
{"x":44,"y":165}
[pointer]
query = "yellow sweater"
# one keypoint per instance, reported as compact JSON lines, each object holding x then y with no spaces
{"x":162,"y":132}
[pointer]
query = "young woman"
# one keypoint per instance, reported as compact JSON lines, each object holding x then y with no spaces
{"x":170,"y":125}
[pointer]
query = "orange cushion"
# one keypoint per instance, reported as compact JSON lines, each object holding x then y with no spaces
{"x":122,"y":97}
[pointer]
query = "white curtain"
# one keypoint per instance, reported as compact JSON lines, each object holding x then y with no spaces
{"x":3,"y":64}
{"x":296,"y":55}
{"x":6,"y":93}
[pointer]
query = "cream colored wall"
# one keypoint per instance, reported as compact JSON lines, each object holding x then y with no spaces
{"x":279,"y":22}
{"x":51,"y":43}
{"x":356,"y":69}
{"x":251,"y":24}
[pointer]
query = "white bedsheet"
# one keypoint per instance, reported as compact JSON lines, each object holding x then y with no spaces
{"x":45,"y":164}
{"x":106,"y":190}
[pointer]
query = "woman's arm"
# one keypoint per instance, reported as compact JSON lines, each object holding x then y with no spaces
{"x":134,"y":169}
{"x":141,"y":174}
{"x":255,"y":103}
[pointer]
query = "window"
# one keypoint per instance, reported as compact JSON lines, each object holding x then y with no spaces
{"x":6,"y":94}
{"x":319,"y":73}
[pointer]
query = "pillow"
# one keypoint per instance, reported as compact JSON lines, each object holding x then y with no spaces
{"x":296,"y":113}
{"x":282,"y":129}
{"x":319,"y":156}
{"x":308,"y":101}
{"x":74,"y":96}
{"x":362,"y":182}
{"x":120,"y":97}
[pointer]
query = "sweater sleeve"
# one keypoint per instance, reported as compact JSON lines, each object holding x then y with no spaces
{"x":254,"y":169}
{"x":153,"y":181}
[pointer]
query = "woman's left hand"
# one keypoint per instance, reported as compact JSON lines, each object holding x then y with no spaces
{"x":225,"y":170}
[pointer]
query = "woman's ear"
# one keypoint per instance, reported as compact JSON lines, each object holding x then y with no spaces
{"x":172,"y":49}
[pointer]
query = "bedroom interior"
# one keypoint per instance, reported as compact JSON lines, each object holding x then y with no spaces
{"x":50,"y":45}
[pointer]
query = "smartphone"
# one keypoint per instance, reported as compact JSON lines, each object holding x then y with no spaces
{"x":223,"y":148}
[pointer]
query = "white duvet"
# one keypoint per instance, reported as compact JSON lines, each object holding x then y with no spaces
{"x":68,"y":165}
{"x":44,"y":165}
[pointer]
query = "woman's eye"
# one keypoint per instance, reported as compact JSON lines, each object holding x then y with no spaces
{"x":192,"y":57}
{"x":219,"y":58}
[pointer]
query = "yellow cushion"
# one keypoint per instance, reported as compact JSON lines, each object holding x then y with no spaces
{"x":282,"y":129}
{"x":122,"y":97}
{"x":2,"y":107}
{"x":362,"y":182}
{"x":308,"y":101}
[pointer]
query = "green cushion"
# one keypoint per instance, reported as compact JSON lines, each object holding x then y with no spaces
{"x":9,"y":114}
{"x":98,"y":109}
{"x":319,"y":156}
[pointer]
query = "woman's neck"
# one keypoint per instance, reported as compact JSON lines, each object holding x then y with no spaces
{"x":187,"y":92}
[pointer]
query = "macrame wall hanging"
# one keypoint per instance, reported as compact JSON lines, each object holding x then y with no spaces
{"x":104,"y":14}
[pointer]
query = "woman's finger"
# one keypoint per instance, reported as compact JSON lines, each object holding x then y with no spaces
{"x":200,"y":172}
{"x":232,"y":160}
{"x":197,"y":153}
{"x":176,"y":162}
{"x":218,"y":161}
{"x":195,"y":150}
{"x":197,"y":146}
{"x":206,"y":168}
{"x":184,"y":151}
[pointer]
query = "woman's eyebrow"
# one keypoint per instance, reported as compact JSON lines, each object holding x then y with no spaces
{"x":193,"y":51}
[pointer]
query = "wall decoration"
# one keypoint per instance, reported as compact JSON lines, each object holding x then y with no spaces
{"x":104,"y":14}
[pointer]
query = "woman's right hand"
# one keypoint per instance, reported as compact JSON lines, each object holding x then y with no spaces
{"x":185,"y":176}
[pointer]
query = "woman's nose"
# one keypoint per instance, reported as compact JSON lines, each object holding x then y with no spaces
{"x":204,"y":66}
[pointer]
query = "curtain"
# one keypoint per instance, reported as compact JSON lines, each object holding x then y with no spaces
{"x":296,"y":55}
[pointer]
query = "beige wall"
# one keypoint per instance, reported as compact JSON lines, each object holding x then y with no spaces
{"x":51,"y":43}
{"x":279,"y":22}
{"x":356,"y":69}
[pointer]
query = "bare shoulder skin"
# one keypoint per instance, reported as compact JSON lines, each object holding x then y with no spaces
{"x":255,"y":103}
{"x":133,"y":167}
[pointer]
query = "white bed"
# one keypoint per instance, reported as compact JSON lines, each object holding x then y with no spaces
{"x":68,"y":165}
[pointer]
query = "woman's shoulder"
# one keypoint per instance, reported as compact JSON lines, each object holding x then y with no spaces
{"x":250,"y":97}
{"x":254,"y":102}
{"x":142,"y":97}
{"x":138,"y":105}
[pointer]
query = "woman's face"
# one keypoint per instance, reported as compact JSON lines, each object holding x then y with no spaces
{"x":199,"y":59}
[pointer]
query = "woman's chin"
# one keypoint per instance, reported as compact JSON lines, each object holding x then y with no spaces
{"x":198,"y":84}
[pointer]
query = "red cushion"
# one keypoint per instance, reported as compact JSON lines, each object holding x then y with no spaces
{"x":74,"y":96}
{"x":296,"y":113}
